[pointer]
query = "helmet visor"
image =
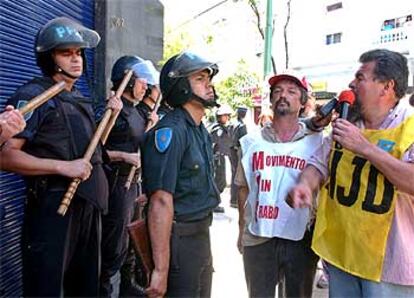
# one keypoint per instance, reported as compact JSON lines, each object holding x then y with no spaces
{"x":147,"y":71}
{"x":63,"y":32}
{"x":188,"y":63}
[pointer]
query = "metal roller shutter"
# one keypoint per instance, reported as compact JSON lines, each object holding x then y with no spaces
{"x":19,"y":22}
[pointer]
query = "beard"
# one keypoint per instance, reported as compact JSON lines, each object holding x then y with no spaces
{"x":281,"y":110}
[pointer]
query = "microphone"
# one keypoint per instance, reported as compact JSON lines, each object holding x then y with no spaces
{"x":334,"y":103}
{"x":327,"y":108}
{"x":346,"y":99}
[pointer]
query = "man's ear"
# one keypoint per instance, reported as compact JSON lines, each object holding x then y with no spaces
{"x":389,"y":86}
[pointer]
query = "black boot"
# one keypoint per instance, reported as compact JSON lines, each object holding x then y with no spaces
{"x":129,"y":287}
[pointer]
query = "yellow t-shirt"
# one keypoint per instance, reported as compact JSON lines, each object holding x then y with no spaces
{"x":357,"y":205}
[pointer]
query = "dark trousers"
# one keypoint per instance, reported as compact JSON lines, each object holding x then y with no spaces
{"x":60,"y":253}
{"x":220,"y":172}
{"x":291,"y":263}
{"x":234,"y":159}
{"x":114,"y":230}
{"x":191,"y":265}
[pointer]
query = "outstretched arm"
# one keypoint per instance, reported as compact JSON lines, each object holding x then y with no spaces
{"x":300,"y":196}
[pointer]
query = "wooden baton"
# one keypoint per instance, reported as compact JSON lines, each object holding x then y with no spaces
{"x":37,"y":101}
{"x":118,"y":93}
{"x":104,"y":126}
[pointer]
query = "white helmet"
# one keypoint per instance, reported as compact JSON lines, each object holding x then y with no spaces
{"x":224,"y":110}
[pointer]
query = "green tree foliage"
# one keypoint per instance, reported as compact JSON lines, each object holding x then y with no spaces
{"x":236,"y":89}
{"x":175,"y":44}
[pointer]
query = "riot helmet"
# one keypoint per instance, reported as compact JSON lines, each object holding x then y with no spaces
{"x":224,"y":110}
{"x":60,"y":33}
{"x":174,"y":83}
{"x":141,"y":69}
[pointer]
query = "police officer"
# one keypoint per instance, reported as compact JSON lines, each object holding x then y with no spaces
{"x":222,"y":141}
{"x":238,"y":130}
{"x":132,"y":271}
{"x":122,"y":147}
{"x":178,"y":179}
{"x":147,"y":105}
{"x":61,"y":254}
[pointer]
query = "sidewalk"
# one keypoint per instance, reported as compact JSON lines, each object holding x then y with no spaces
{"x":228,"y":278}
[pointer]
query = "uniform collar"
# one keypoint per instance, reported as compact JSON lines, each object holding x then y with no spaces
{"x":127,"y":105}
{"x":188,"y":117}
{"x":69,"y":96}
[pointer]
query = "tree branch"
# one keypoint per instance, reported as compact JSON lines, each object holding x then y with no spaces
{"x":253,"y":6}
{"x":285,"y":34}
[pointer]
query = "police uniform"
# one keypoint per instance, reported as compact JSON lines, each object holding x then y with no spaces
{"x":61,"y":250}
{"x":177,"y":159}
{"x":144,"y":110}
{"x":238,"y":130}
{"x":163,"y":110}
{"x":222,"y":141}
{"x":125,"y":136}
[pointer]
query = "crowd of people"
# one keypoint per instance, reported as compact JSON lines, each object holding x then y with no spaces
{"x":302,"y":195}
{"x":225,"y":136}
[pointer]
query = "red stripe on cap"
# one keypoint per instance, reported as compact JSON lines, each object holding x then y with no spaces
{"x":347,"y":96}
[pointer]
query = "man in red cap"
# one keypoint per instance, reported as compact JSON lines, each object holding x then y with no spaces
{"x":274,"y":238}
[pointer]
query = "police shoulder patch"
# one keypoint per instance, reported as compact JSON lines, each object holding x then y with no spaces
{"x":163,"y":137}
{"x":22,"y":103}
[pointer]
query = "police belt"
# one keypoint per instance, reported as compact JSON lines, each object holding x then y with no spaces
{"x":47,"y":183}
{"x":193,"y":227}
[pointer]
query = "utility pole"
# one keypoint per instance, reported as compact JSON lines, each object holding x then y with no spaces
{"x":268,"y":39}
{"x":267,"y":69}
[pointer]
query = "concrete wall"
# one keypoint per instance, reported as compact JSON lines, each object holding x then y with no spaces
{"x":127,"y":27}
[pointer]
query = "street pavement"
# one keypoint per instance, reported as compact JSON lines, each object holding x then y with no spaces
{"x":228,"y":278}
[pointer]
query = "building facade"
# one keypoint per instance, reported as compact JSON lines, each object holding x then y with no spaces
{"x":327,"y":38}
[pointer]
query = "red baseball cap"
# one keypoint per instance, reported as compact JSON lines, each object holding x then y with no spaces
{"x":283,"y":77}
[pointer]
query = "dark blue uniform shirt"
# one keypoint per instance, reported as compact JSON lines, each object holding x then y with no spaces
{"x":184,"y":168}
{"x":61,"y":129}
{"x":144,"y":110}
{"x":128,"y":131}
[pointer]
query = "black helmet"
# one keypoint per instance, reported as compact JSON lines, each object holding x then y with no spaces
{"x":175,"y":87}
{"x":122,"y":65}
{"x":59,"y":33}
{"x":140,"y":67}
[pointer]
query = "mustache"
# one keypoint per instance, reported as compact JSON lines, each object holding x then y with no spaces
{"x":282,"y":100}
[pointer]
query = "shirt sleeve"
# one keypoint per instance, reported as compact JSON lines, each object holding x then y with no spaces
{"x":161,"y":169}
{"x":240,"y":178}
{"x":409,"y":154}
{"x":320,"y":158}
{"x":33,"y":119}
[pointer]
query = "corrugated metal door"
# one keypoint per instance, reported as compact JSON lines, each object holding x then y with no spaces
{"x":19,"y":22}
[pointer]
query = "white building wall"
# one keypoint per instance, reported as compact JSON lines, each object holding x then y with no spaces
{"x":359,"y":21}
